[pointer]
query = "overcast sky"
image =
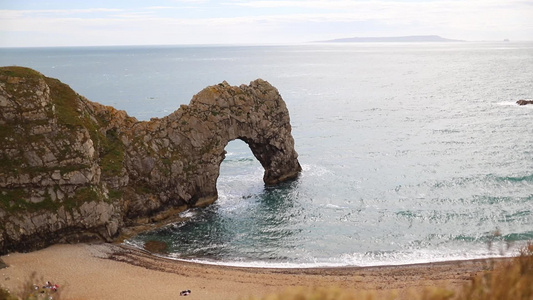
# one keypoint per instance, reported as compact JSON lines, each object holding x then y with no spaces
{"x":137,"y":22}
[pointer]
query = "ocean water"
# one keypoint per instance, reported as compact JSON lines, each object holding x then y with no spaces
{"x":410,"y":152}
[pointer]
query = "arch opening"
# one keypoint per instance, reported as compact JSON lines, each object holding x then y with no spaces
{"x":240,"y":173}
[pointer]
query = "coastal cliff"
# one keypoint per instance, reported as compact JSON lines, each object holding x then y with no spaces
{"x":74,"y":170}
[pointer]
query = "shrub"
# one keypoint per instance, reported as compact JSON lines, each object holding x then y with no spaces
{"x":320,"y":293}
{"x":6,"y":295}
{"x":32,"y":289}
{"x":511,"y":279}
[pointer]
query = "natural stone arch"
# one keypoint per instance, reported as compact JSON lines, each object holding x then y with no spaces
{"x":190,"y":143}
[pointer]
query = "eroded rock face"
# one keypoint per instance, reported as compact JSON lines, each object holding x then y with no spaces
{"x":180,"y":155}
{"x":72,"y":169}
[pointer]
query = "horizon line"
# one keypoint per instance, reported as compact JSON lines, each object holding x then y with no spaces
{"x":331,"y":41}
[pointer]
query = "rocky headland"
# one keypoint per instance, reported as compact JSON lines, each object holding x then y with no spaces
{"x":74,"y":170}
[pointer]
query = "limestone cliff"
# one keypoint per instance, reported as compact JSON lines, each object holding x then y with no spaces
{"x":72,"y":169}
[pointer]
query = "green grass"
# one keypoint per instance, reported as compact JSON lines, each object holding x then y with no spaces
{"x":115,"y":194}
{"x":144,"y":189}
{"x":66,"y":103}
{"x":10,"y":165}
{"x":14,"y":201}
{"x":112,"y":154}
{"x":109,"y":146}
{"x":6,"y":131}
{"x":16,"y":71}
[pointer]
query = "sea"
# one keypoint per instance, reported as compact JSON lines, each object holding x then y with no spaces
{"x":411,"y":152}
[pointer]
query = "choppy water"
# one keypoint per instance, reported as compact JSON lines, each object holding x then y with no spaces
{"x":410,"y":152}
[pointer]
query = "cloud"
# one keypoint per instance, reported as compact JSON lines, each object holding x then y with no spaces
{"x":191,"y":1}
{"x":54,"y":12}
{"x":298,"y":4}
{"x":266,"y":21}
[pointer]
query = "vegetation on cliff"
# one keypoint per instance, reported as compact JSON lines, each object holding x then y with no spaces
{"x":512,"y":279}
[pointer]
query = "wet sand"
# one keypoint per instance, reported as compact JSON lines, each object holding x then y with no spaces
{"x":108,"y":271}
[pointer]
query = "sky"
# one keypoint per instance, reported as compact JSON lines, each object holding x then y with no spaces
{"x":41,"y":23}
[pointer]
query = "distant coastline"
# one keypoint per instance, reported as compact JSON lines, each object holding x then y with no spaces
{"x":397,"y":39}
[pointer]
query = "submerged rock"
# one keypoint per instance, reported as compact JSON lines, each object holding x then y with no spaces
{"x":156,"y":246}
{"x":72,"y":169}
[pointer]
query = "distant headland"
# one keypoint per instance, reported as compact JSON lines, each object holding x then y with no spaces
{"x":397,"y":39}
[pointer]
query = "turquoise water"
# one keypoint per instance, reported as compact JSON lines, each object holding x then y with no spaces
{"x":410,"y":152}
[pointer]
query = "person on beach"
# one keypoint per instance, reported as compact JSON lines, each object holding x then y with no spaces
{"x":49,"y":285}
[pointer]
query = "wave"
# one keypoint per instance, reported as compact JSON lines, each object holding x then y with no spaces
{"x":482,"y":179}
{"x":523,"y":236}
{"x":525,"y":178}
{"x":368,"y":259}
{"x":314,"y":170}
{"x":334,"y":206}
{"x":497,"y":237}
{"x":238,"y":160}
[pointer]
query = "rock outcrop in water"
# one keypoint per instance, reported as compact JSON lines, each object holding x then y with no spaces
{"x":74,"y":170}
{"x":524,"y":102}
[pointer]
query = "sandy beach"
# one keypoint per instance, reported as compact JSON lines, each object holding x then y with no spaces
{"x":108,"y":271}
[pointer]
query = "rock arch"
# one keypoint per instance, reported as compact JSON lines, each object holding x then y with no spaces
{"x":188,"y":145}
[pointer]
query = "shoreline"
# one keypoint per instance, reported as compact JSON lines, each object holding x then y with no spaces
{"x":111,"y":271}
{"x":214,"y":263}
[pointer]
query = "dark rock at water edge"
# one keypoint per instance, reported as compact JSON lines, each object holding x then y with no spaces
{"x":75,"y":170}
{"x":524,"y":102}
{"x":156,"y":246}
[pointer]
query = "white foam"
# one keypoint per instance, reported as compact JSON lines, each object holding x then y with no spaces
{"x":188,"y":214}
{"x":314,"y":170}
{"x":420,"y":256}
{"x":351,"y":261}
{"x":334,"y":206}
